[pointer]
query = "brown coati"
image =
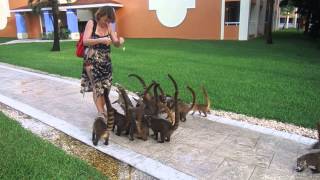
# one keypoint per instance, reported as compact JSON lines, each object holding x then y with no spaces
{"x":204,"y":108}
{"x":310,"y":160}
{"x":161,"y":125}
{"x":99,"y":130}
{"x":100,"y":127}
{"x":134,"y":115}
{"x":185,"y":108}
{"x":161,"y":107}
{"x":119,"y":122}
{"x":317,"y":144}
{"x":149,"y":100}
{"x":121,"y":98}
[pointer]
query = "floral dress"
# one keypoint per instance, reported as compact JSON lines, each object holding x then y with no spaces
{"x":101,"y":71}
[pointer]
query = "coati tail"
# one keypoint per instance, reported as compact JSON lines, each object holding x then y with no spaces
{"x":146,"y":91}
{"x":110,"y":122}
{"x":206,"y":97}
{"x":193,"y":98}
{"x":110,"y":113}
{"x":143,"y":83}
{"x":176,"y":110}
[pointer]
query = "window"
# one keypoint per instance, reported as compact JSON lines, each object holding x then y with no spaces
{"x":232,"y":13}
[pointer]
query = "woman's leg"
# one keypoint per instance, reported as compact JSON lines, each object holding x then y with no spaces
{"x":98,"y":100}
{"x":100,"y":104}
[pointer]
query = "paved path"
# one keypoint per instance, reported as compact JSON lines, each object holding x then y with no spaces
{"x":199,"y":149}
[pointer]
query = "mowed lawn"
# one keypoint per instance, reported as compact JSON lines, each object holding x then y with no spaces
{"x":279,"y":81}
{"x":26,"y":156}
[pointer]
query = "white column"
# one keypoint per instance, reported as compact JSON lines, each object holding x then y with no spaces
{"x":223,"y":4}
{"x":287,"y":22}
{"x":244,"y":19}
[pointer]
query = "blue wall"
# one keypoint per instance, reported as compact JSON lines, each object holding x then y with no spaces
{"x":20,"y":23}
{"x":48,"y":21}
{"x":72,"y":20}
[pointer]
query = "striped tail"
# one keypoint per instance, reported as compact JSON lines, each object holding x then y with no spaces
{"x":110,"y":121}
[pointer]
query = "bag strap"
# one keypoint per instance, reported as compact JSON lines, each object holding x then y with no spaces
{"x":94,"y":27}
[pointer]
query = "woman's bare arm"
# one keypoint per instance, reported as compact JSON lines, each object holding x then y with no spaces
{"x":117,"y":42}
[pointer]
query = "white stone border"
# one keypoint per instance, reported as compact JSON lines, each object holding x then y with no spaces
{"x":263,"y":130}
{"x":141,"y":162}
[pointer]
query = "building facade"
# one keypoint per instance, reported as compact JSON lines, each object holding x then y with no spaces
{"x":185,"y":19}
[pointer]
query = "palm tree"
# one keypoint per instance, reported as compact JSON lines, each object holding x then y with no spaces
{"x":36,"y":6}
{"x":268,"y":30}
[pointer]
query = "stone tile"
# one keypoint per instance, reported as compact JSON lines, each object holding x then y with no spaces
{"x":190,"y":160}
{"x":205,"y":141}
{"x":316,"y":176}
{"x":232,"y":170}
{"x":268,"y":174}
{"x":284,"y":161}
{"x":267,"y":142}
{"x":245,"y":154}
{"x":304,"y":175}
{"x":242,"y":140}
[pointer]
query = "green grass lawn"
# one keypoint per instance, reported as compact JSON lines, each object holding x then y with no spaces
{"x":279,"y":81}
{"x":26,"y":156}
{"x":4,"y":39}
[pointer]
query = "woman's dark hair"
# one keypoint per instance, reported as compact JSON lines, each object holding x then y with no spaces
{"x":106,"y":11}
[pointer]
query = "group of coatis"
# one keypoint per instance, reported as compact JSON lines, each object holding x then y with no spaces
{"x":311,"y":160}
{"x":153,"y":110}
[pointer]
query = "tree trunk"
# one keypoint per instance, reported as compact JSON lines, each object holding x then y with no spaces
{"x":268,"y":31}
{"x":56,"y":38}
{"x":307,"y":23}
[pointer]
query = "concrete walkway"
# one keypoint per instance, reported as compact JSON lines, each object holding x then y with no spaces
{"x":199,"y":149}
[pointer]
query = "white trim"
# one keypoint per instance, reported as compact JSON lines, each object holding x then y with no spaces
{"x":20,"y":10}
{"x":223,"y":4}
{"x":75,"y":35}
{"x":64,"y":8}
{"x":244,"y":19}
{"x":232,"y":23}
{"x":22,"y":35}
{"x":92,"y":6}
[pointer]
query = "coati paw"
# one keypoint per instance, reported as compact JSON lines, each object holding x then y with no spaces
{"x":106,"y":143}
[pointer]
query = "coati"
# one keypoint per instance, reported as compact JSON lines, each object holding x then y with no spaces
{"x":185,"y":108}
{"x":119,"y":122}
{"x":161,"y":125}
{"x":99,"y":130}
{"x":134,"y":115}
{"x":204,"y":108}
{"x":317,"y":144}
{"x":121,"y":98}
{"x":309,"y":160}
{"x":100,"y":127}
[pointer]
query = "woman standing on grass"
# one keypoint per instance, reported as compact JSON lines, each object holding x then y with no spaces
{"x":97,"y":69}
